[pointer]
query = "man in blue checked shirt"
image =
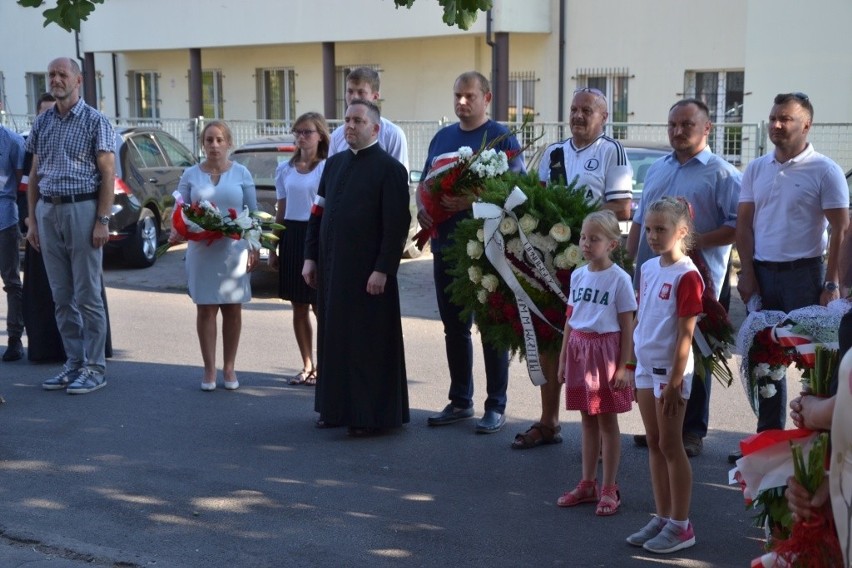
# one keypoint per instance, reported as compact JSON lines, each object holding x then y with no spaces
{"x":11,"y":165}
{"x":70,"y":198}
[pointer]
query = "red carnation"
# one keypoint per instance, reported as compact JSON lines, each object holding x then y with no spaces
{"x":510,"y":311}
{"x":232,"y":213}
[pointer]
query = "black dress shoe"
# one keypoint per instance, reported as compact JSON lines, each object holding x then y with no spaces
{"x":734,"y":456}
{"x":15,"y":350}
{"x":324,"y":424}
{"x":355,"y":432}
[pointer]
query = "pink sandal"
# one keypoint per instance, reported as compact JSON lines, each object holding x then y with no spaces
{"x":610,"y":501}
{"x":585,"y":492}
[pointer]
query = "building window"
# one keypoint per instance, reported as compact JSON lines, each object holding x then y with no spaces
{"x":613,"y":84}
{"x":522,"y":96}
{"x":276,"y":95}
{"x":99,"y":91}
{"x":340,"y":74}
{"x":722,"y":92}
{"x":144,"y":94}
{"x":213,"y":105}
{"x":36,"y":87}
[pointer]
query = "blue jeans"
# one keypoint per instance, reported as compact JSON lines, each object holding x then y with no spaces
{"x":75,"y":273}
{"x":458,"y":343}
{"x":785,"y":290}
{"x":10,"y":272}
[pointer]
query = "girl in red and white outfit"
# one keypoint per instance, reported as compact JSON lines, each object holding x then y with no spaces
{"x":596,"y":349}
{"x":669,"y":304}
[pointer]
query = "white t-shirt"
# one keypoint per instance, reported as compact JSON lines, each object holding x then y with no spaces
{"x":666,"y":293}
{"x":298,"y":189}
{"x":596,"y":299}
{"x":790,"y":200}
{"x":602,"y":167}
{"x":391,"y":139}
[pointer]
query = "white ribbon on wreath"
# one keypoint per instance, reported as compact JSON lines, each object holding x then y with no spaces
{"x":495,"y":251}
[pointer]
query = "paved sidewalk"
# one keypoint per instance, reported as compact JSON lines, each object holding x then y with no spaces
{"x":150,"y":472}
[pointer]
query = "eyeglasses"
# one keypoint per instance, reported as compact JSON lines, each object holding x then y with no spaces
{"x":303,"y":132}
{"x":799,"y":95}
{"x":592,"y":90}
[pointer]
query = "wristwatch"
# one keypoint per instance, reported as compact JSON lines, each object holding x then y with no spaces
{"x":831,"y":286}
{"x":103,"y":219}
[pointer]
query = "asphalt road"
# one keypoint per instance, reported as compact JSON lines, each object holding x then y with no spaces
{"x":150,"y":471}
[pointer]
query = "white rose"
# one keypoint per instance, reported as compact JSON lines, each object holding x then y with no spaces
{"x":508,"y":226}
{"x":474,"y":249}
{"x":480,"y":235}
{"x":489,"y":282}
{"x":475,"y":274}
{"x":528,"y":223}
{"x":767,"y":391}
{"x":560,"y":232}
{"x":573,"y":255}
{"x":482,"y":296}
{"x":560,"y":261}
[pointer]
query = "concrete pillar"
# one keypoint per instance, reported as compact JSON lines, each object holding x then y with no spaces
{"x":196,"y":98}
{"x":90,"y":89}
{"x":500,"y":77}
{"x":329,"y":81}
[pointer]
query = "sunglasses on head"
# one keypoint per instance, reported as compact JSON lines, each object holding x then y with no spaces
{"x":592,"y":90}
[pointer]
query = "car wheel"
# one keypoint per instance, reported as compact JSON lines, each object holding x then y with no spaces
{"x":141,"y":249}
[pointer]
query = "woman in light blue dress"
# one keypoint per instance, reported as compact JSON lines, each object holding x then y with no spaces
{"x":218,"y":272}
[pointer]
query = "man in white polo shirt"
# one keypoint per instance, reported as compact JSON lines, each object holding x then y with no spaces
{"x":788,"y":200}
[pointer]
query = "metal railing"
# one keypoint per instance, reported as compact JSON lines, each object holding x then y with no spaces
{"x":739,"y":143}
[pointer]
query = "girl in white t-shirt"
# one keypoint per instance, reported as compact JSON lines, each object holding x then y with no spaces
{"x":669,"y":304}
{"x":596,"y":348}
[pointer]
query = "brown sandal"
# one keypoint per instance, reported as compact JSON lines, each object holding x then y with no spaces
{"x":537,"y":435}
{"x":610,"y":501}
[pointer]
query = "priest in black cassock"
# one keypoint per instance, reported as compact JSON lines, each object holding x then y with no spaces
{"x":355,"y":239}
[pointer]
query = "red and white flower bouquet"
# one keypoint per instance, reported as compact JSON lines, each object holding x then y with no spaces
{"x":460,"y":173}
{"x":203,"y":221}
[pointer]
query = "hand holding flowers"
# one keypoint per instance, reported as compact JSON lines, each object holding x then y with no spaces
{"x":203,"y":221}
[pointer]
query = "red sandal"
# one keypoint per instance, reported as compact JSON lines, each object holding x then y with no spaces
{"x":585,"y":492}
{"x":610,"y":501}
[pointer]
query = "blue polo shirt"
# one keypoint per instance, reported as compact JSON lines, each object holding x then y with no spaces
{"x":711,"y":185}
{"x":11,"y":160}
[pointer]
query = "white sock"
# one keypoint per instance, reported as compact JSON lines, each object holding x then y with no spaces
{"x":682,"y":525}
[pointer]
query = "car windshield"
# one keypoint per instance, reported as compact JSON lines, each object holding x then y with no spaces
{"x":262,"y":165}
{"x":641,"y":160}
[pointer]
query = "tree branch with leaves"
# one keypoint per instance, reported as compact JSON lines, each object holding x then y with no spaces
{"x":68,"y":14}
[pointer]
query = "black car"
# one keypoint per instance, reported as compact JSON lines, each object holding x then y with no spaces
{"x":262,"y":156}
{"x":148,"y":166}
